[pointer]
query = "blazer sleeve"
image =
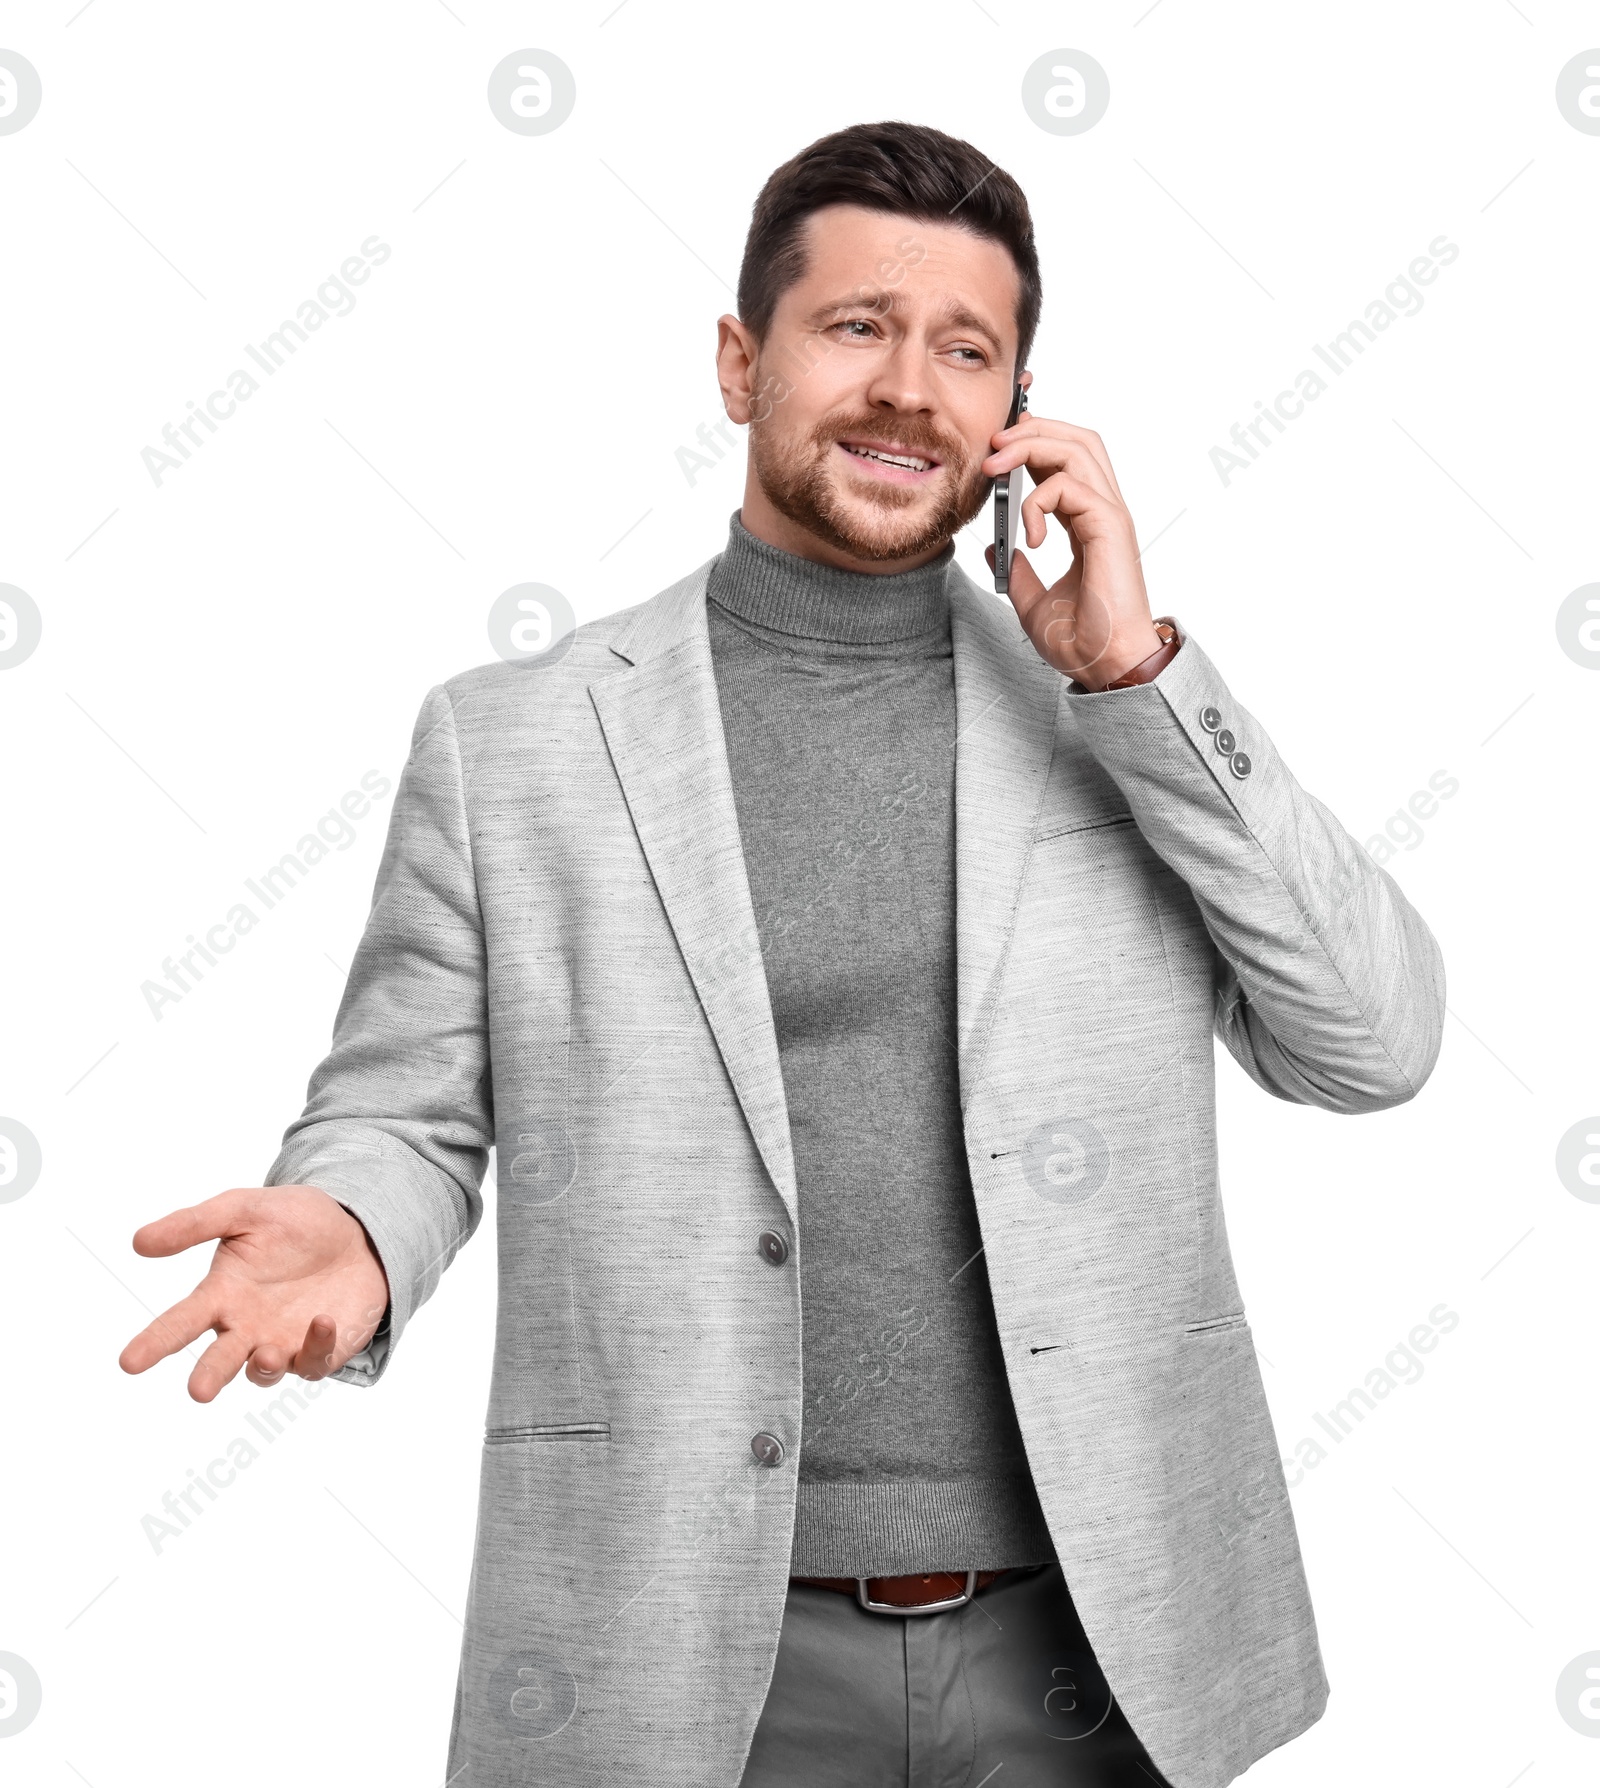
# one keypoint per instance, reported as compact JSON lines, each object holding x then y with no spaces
{"x":1330,"y":987}
{"x":398,"y":1119}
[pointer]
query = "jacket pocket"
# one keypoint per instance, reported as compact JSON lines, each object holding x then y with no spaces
{"x":502,"y":1437}
{"x":1216,"y":1324}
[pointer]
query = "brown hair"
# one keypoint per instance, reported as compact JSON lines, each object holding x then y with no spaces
{"x":910,"y":170}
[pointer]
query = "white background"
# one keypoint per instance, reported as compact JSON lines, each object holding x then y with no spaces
{"x":225,"y":654}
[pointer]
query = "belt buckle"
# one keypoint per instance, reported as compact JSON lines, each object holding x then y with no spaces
{"x":900,"y":1608}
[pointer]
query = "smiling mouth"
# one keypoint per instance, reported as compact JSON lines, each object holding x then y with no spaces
{"x":913,"y":463}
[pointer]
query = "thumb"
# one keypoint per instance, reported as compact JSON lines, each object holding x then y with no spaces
{"x":208,"y":1221}
{"x":1023,"y":586}
{"x":1023,"y":580}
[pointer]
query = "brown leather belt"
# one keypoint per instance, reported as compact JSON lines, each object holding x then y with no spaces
{"x":924,"y":1592}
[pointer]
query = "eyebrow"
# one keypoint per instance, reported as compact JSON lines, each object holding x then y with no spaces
{"x":953,"y":312}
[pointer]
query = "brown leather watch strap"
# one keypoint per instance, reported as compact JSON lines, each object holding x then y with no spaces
{"x":1159,"y":659}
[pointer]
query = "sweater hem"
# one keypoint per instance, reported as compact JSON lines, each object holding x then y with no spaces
{"x":850,"y":1528}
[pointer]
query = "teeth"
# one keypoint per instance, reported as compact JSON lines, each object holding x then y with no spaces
{"x":893,"y":459}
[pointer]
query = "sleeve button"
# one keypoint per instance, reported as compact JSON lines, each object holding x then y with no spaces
{"x":1239,"y":764}
{"x":1210,"y":719}
{"x":1226,"y":742}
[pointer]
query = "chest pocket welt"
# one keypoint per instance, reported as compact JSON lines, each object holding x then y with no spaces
{"x":1216,"y":1325}
{"x":511,"y":1436}
{"x":1095,"y":823}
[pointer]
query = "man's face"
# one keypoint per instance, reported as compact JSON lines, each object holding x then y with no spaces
{"x":899,"y":340}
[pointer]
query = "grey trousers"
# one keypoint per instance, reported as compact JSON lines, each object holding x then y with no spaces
{"x":1004,"y":1690}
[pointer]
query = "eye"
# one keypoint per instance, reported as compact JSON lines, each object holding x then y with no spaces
{"x":979,"y":358}
{"x":855,"y":323}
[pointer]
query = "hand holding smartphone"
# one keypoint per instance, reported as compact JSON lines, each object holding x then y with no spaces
{"x":1009,"y":490}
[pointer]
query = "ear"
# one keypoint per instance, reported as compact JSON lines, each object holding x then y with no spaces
{"x":1025,"y":379}
{"x":737,"y":350}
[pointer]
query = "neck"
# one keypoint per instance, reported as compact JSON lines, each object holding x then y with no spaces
{"x":774,"y":589}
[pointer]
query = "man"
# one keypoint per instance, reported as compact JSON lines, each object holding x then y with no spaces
{"x":814,"y":937}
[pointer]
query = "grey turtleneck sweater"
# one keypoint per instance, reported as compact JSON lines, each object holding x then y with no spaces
{"x":837,"y":695}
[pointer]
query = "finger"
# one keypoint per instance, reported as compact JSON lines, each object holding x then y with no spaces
{"x":209,"y":1221}
{"x":317,"y":1356}
{"x":1103,"y":459}
{"x":1067,"y":431}
{"x":1045,"y":455}
{"x":172,"y":1330}
{"x":267,"y":1364}
{"x":1085,"y":439}
{"x":219,"y":1364}
{"x":1090,"y":512}
{"x":319,"y":1349}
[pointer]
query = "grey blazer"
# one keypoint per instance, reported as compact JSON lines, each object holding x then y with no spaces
{"x":561,"y":963}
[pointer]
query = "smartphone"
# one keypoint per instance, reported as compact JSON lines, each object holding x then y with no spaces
{"x":1009,"y":490}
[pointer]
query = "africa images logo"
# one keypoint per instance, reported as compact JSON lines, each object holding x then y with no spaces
{"x":333,"y":298}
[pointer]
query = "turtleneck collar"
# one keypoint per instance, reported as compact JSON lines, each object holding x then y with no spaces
{"x":775,"y":589}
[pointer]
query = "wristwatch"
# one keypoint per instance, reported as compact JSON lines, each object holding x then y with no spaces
{"x":1159,"y":659}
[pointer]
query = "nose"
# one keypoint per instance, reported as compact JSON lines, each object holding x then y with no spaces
{"x":900,"y":380}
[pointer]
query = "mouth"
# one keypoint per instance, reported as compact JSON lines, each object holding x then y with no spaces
{"x":890,"y":462}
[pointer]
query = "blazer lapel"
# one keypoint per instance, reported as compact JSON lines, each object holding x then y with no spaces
{"x":663,"y":728}
{"x":1006,"y":703}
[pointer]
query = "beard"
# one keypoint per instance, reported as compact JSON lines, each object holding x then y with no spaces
{"x":869,"y":521}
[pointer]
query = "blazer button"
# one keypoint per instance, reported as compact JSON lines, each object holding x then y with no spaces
{"x":773,"y":1246}
{"x":1210,"y":719}
{"x":1239,"y":764}
{"x":767,"y":1448}
{"x":1226,"y":742}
